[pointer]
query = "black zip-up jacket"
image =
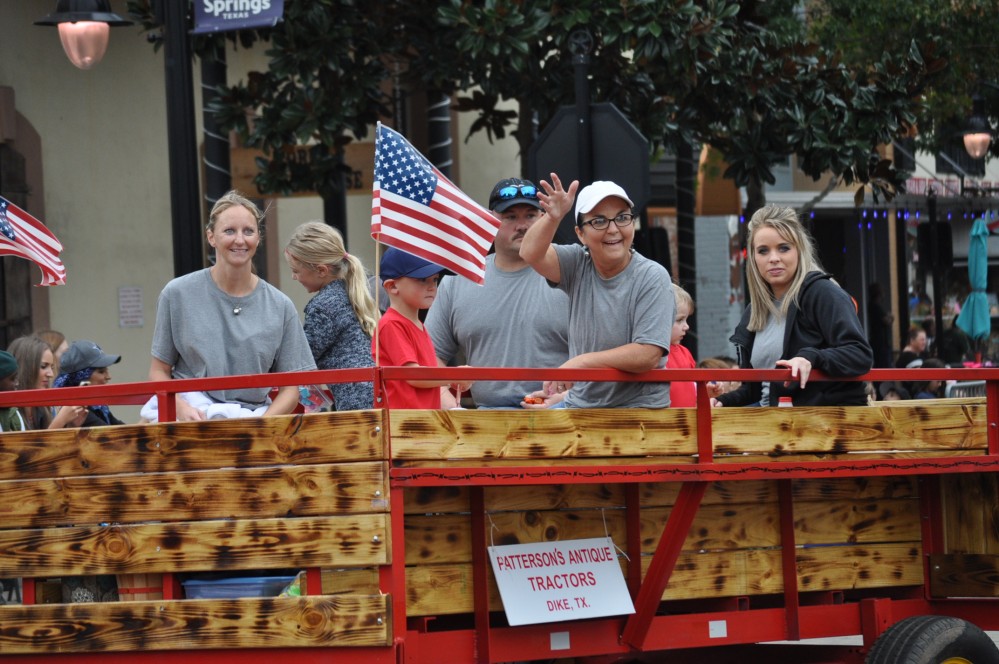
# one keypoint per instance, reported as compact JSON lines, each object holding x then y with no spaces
{"x":825,"y":330}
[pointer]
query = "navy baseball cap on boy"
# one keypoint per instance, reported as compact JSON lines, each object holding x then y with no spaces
{"x":397,"y":263}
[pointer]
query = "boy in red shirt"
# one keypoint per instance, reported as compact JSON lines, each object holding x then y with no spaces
{"x":401,"y":339}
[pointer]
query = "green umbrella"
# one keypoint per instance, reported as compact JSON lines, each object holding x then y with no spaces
{"x":974,"y":318}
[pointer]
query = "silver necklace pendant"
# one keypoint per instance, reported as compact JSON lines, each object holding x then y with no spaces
{"x":236,"y":310}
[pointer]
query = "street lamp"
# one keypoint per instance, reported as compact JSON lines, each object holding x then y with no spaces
{"x":84,"y":27}
{"x":977,"y":133}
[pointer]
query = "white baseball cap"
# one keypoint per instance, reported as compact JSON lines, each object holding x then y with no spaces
{"x":591,"y":195}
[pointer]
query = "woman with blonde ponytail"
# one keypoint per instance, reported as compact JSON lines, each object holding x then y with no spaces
{"x":341,"y":317}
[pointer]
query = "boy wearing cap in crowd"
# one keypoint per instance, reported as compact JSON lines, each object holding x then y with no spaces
{"x":84,"y":363}
{"x":402,"y":340}
{"x":531,"y":329}
{"x":10,"y":417}
{"x":621,"y":304}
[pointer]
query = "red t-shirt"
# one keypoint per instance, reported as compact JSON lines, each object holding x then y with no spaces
{"x":682,"y":394}
{"x":399,"y":342}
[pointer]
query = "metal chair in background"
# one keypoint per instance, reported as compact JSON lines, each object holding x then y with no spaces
{"x":968,"y":388}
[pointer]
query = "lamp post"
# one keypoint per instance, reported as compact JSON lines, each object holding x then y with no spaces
{"x":978,"y":132}
{"x":84,"y":27}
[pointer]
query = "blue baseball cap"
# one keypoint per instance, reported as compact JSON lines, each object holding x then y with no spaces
{"x":397,"y":263}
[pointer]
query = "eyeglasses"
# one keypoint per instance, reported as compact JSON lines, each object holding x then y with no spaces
{"x":517,"y":191}
{"x":601,"y":223}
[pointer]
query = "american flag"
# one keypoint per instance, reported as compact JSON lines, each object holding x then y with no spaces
{"x":23,"y":235}
{"x":415,"y":208}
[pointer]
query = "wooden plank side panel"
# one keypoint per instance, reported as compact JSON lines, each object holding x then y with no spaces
{"x":447,"y":538}
{"x":423,"y":500}
{"x":275,"y":491}
{"x":352,"y":580}
{"x":179,"y":446}
{"x":964,"y":512}
{"x":541,"y":434}
{"x":616,"y":433}
{"x":855,"y":488}
{"x":850,"y":567}
{"x":848,"y":429}
{"x":853,"y":521}
{"x":447,"y":588}
{"x":279,"y":622}
{"x":440,"y":538}
{"x":964,"y":575}
{"x":350,"y":540}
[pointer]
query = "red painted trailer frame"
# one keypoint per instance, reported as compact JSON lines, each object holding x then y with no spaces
{"x":736,"y":629}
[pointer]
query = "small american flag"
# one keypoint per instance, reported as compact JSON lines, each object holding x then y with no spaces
{"x":415,"y":208}
{"x":23,"y":235}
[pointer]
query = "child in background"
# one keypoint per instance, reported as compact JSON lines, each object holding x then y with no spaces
{"x":717,"y":387}
{"x":10,"y":418}
{"x":402,"y":340}
{"x":341,"y":317}
{"x":682,"y":394}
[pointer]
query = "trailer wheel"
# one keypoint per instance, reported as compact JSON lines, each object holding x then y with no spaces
{"x":933,"y":640}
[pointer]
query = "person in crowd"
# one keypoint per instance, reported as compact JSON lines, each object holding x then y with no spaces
{"x":954,"y":346}
{"x":879,"y":321}
{"x":10,"y":417}
{"x":930,"y":325}
{"x":621,"y":305}
{"x":36,"y":363}
{"x":341,"y":317}
{"x":893,"y":391}
{"x":720,"y":362}
{"x":928,"y":389}
{"x":514,"y":319}
{"x":84,"y":363}
{"x":57,"y":341}
{"x":226,"y":321}
{"x":10,"y":420}
{"x":682,"y":394}
{"x":798,"y":319}
{"x":402,"y":340}
{"x":377,"y":292}
{"x":912,"y":354}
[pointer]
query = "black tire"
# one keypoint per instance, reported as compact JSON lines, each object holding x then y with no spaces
{"x":933,"y":640}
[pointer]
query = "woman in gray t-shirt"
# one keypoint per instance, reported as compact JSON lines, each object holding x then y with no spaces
{"x":227,"y":321}
{"x":621,"y":305}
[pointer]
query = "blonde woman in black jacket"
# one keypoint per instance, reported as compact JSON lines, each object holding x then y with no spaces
{"x":798,"y":318}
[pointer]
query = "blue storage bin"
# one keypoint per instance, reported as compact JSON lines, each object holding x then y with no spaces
{"x":248,"y":586}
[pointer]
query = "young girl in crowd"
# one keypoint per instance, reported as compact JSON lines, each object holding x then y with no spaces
{"x":682,"y":394}
{"x":35,"y":371}
{"x":341,"y":318}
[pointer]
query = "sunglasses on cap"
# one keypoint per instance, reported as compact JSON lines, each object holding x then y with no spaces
{"x":518,"y":191}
